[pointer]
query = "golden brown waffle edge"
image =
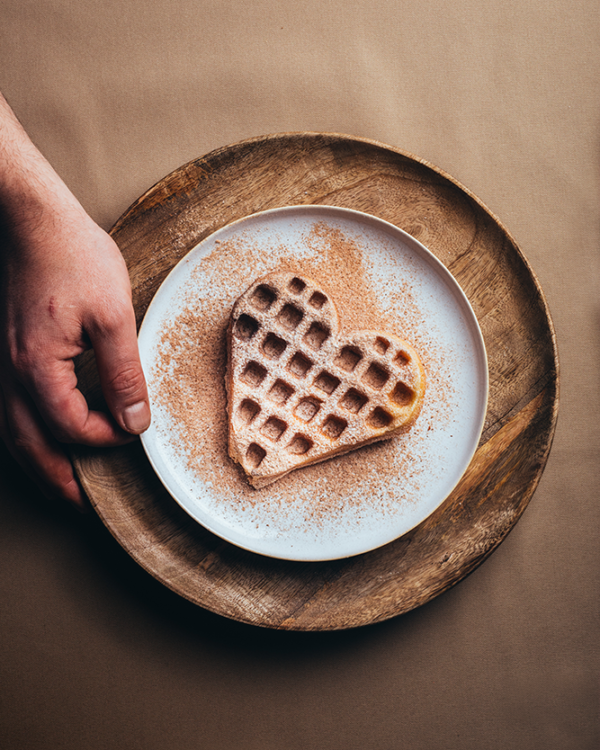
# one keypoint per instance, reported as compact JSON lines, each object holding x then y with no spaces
{"x":299,"y":392}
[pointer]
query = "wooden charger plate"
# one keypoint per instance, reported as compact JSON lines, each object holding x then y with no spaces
{"x":310,"y":168}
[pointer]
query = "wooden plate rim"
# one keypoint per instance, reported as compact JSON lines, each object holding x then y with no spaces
{"x":149,"y":198}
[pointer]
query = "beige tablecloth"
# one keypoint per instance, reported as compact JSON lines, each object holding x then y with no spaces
{"x":94,"y":653}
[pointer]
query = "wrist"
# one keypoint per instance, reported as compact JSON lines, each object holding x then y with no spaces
{"x":32,"y":195}
{"x":34,"y":198}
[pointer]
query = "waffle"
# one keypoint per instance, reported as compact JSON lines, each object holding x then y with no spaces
{"x":299,"y":392}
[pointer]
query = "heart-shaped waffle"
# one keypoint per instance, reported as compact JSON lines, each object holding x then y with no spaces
{"x":299,"y":392}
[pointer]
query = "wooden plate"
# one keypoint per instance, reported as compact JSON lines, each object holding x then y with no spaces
{"x":309,"y":168}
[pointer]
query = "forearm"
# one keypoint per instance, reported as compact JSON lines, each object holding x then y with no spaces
{"x":31,"y":193}
{"x":64,"y":285}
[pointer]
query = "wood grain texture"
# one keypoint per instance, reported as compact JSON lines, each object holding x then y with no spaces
{"x":309,"y":168}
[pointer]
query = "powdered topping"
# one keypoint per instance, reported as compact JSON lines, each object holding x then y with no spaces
{"x":374,"y":289}
{"x":299,"y":392}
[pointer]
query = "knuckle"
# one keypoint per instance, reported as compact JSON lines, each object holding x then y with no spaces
{"x":25,"y":358}
{"x":111,"y":316}
{"x":65,"y":433}
{"x":25,"y":445}
{"x":128,"y":382}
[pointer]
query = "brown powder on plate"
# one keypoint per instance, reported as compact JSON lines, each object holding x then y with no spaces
{"x":188,"y":383}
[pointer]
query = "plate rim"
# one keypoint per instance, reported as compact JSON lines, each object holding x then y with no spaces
{"x":449,"y":282}
{"x":132,"y":511}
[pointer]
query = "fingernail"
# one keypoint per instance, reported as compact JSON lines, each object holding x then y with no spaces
{"x":137,"y":417}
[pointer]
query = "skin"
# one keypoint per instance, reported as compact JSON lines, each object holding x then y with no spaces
{"x":64,"y":288}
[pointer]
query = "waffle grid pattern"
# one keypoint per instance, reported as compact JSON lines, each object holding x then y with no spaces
{"x":299,"y":392}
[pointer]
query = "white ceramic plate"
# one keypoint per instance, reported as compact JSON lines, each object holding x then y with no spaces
{"x":350,"y":504}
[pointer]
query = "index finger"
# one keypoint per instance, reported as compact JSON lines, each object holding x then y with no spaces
{"x":121,"y":375}
{"x":53,"y":387}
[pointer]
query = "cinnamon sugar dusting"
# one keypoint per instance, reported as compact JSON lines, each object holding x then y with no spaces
{"x":187,"y":383}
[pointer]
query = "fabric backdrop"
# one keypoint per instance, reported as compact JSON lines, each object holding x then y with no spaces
{"x":506,"y":98}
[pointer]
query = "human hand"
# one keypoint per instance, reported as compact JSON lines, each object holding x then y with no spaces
{"x":65,"y":287}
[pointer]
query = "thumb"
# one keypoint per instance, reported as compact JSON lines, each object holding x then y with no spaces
{"x":120,"y":370}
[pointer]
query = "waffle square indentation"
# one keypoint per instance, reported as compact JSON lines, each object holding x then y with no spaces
{"x":300,"y":444}
{"x":299,"y":365}
{"x":255,"y":455}
{"x":402,"y":359}
{"x":333,"y":426}
{"x":353,"y":400}
{"x":317,"y":300}
{"x":379,"y":418}
{"x":247,"y":411}
{"x":273,"y":346}
{"x":348,"y":358}
{"x":402,"y":394}
{"x":381,"y":345}
{"x":263,"y":297}
{"x":296,"y":285}
{"x":327,"y":382}
{"x":316,"y":335}
{"x":307,"y":408}
{"x":290,"y":317}
{"x":254,"y":374}
{"x":280,"y":392}
{"x":376,"y":376}
{"x":245,"y":327}
{"x":273,"y":428}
